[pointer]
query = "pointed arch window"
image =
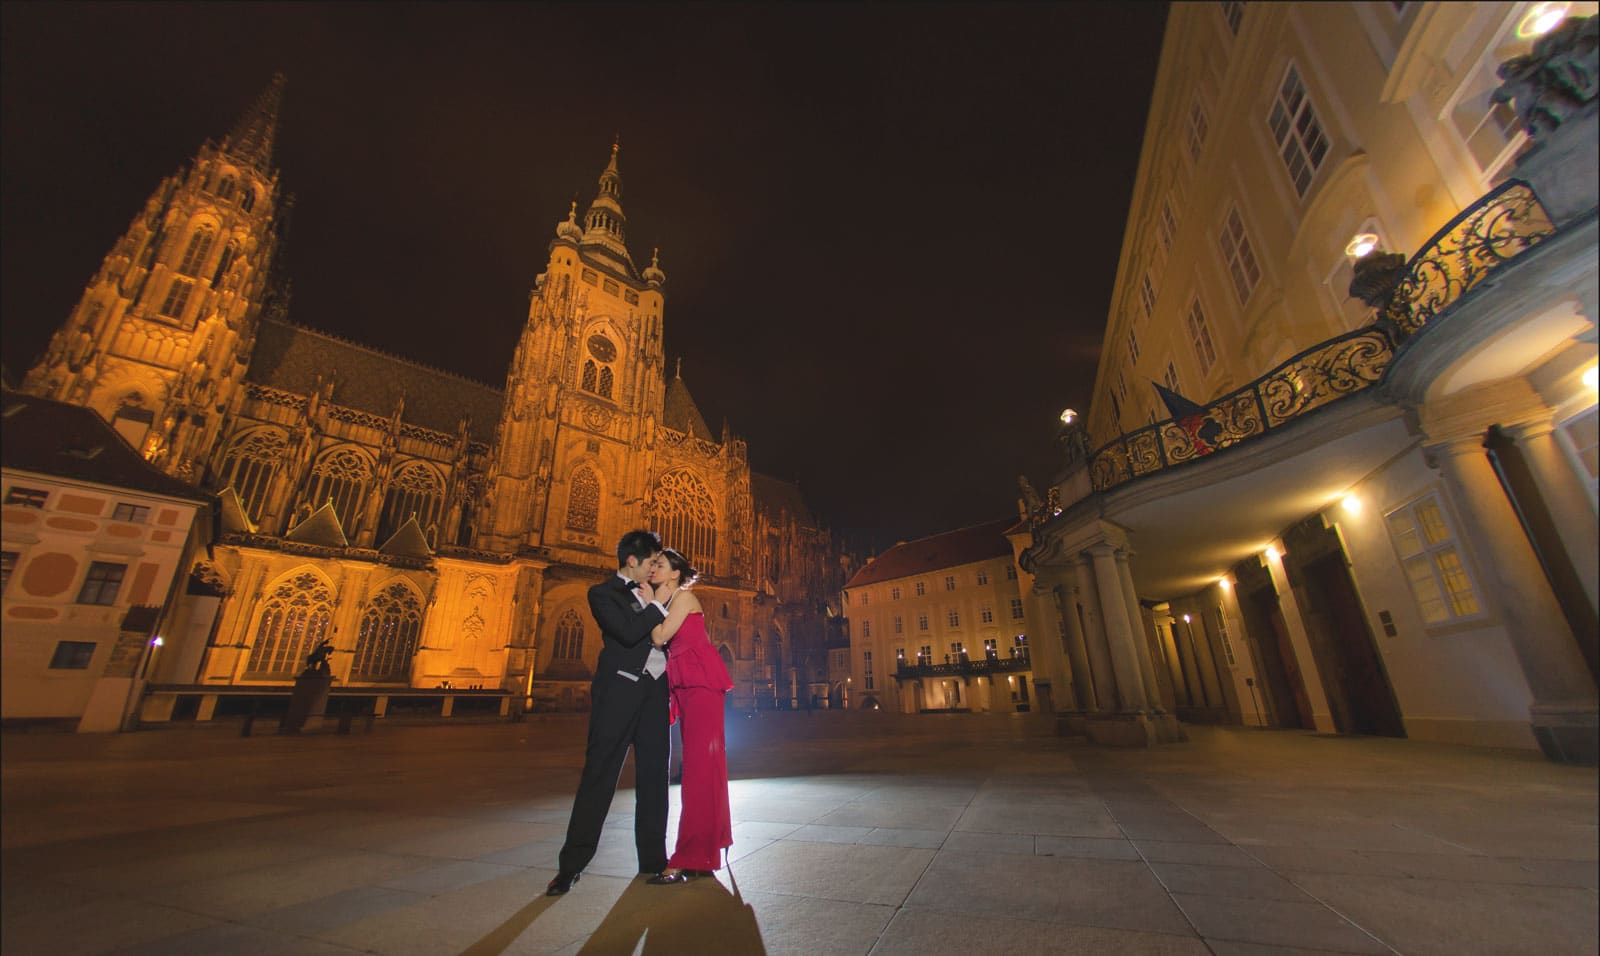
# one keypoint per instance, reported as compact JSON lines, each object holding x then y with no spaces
{"x":685,"y":515}
{"x":177,"y":298}
{"x":415,"y":489}
{"x":296,"y":617}
{"x":341,"y":476}
{"x":583,"y":500}
{"x":230,"y":252}
{"x":194,"y":255}
{"x":598,"y":374}
{"x":225,"y":188}
{"x":387,"y":638}
{"x":250,"y":465}
{"x":569,"y":637}
{"x":247,"y":201}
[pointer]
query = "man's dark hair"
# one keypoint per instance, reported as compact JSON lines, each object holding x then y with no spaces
{"x":639,"y":544}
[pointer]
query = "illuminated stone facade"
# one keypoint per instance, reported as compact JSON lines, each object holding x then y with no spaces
{"x":441,"y":532}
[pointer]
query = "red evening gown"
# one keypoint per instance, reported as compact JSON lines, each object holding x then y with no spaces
{"x":699,"y":682}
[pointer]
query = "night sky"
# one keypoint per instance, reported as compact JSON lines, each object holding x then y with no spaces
{"x":890,"y":231}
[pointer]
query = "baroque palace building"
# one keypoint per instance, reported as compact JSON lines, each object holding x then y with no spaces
{"x":1338,"y":471}
{"x":441,"y":533}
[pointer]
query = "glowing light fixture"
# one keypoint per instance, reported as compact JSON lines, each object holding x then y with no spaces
{"x":1360,"y":245}
{"x":1186,"y":619}
{"x":1351,"y":504}
{"x":1591,"y":376}
{"x":156,"y":642}
{"x":1225,"y":584}
{"x":1542,"y":18}
{"x":1068,"y":416}
{"x":1272,"y":553}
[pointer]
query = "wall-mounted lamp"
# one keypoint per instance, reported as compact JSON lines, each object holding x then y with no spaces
{"x":1225,"y":584}
{"x":1542,"y":19}
{"x":1351,"y":504}
{"x":1361,"y":244}
{"x":1272,"y":553}
{"x":1186,"y":619}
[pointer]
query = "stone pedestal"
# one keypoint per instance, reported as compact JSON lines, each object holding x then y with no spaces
{"x":307,"y":704}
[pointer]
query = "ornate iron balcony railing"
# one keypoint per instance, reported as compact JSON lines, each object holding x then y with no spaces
{"x":1498,"y":227}
{"x":970,"y":668}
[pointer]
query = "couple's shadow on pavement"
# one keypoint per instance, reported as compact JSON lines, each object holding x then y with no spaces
{"x":699,"y":916}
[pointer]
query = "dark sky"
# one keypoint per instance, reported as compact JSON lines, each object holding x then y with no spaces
{"x":890,"y":231}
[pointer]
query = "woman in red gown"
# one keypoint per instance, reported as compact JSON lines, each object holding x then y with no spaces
{"x":699,"y":683}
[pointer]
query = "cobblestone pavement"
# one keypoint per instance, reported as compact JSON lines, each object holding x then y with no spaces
{"x":854,"y":833}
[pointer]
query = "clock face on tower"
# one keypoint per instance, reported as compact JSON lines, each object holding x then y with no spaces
{"x":601,"y":348}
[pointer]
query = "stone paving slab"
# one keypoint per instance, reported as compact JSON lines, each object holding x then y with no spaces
{"x":854,"y":834}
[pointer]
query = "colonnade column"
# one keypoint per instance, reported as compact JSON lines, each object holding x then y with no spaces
{"x":1141,"y":637}
{"x":1077,"y":651}
{"x":1559,"y":484}
{"x":1100,"y":669}
{"x":1565,"y":707}
{"x":1119,"y":631}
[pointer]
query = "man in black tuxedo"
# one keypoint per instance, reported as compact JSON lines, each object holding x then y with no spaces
{"x":628,"y":707}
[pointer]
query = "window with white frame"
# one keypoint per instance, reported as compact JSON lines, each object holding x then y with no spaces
{"x":983,"y":576}
{"x":1016,"y":609}
{"x":866,"y":598}
{"x":866,"y":628}
{"x":899,"y":624}
{"x":1198,"y":127}
{"x":1432,"y":561}
{"x":866,"y":668}
{"x":1122,"y":387}
{"x":921,"y":589}
{"x":894,"y":594}
{"x":1011,"y":572}
{"x":1205,"y":352}
{"x":1241,"y":258}
{"x":1297,"y":131}
{"x":986,"y":614}
{"x":138,"y":514}
{"x":1133,"y":348}
{"x":953,"y":617}
{"x":1488,"y":129}
{"x":1167,"y":224}
{"x":1172,"y":377}
{"x":1581,"y":436}
{"x":922,"y":620}
{"x":949,"y":582}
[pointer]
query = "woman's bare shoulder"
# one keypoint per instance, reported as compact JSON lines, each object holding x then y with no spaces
{"x":690,"y":601}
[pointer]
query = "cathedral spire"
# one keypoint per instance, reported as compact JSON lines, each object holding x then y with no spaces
{"x":604,"y":225}
{"x":252,"y":136}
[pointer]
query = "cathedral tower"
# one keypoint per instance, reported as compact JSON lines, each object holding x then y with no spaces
{"x":159,"y":342}
{"x":572,"y":459}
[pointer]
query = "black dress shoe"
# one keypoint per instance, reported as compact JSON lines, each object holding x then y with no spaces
{"x":667,"y":879}
{"x":561,"y":884}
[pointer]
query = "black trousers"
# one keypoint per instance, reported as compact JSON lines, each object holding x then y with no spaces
{"x":623,"y":714}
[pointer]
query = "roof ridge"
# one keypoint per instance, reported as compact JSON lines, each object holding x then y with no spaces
{"x":342,"y":340}
{"x":940,"y":534}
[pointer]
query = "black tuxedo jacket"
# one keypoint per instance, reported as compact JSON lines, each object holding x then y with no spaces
{"x":624,"y":627}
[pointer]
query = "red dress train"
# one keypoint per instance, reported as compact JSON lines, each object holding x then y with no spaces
{"x":699,"y":682}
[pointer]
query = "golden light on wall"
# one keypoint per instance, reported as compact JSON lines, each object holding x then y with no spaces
{"x":1541,"y":19}
{"x":1351,"y":504}
{"x":1361,"y":244}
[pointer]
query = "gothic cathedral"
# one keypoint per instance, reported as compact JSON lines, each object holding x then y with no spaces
{"x":438,"y":531}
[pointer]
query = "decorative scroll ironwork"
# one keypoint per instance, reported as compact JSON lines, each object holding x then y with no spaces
{"x":1500,"y":226}
{"x":1321,"y":374}
{"x":1504,"y":223}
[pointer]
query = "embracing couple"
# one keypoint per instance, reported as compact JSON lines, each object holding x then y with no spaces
{"x":656,"y":662}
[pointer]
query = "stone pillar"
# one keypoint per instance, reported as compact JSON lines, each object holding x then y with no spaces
{"x":1120,"y":635}
{"x":1141,"y":639}
{"x":1105,"y":690}
{"x":1205,"y":661}
{"x":1193,"y":688}
{"x":1174,"y":662}
{"x":1566,"y":495}
{"x":1077,"y":650}
{"x":1565,"y":713}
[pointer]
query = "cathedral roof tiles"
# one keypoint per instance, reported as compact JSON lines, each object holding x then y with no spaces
{"x":290,"y":357}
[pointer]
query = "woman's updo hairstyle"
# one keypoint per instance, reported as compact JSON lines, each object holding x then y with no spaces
{"x":680,"y":564}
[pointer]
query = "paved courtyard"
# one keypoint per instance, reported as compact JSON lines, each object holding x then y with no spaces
{"x":855,"y":833}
